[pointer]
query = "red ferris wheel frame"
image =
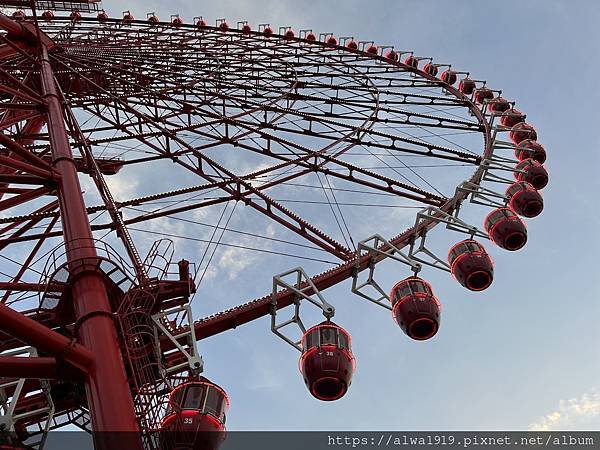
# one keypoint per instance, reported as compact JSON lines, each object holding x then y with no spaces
{"x":96,"y":356}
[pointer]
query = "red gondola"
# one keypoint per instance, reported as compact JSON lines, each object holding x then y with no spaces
{"x":19,"y":15}
{"x":524,"y":199}
{"x":201,"y":22}
{"x":511,"y":117}
{"x":529,"y":149}
{"x":352,"y":45}
{"x":327,"y":363}
{"x":506,"y":229}
{"x":533,"y":172}
{"x":102,"y":16}
{"x":449,"y":76}
{"x":411,"y":61}
{"x":483,"y":94}
{"x":332,"y":41}
{"x":392,"y":56}
{"x":75,"y":16}
{"x":466,"y":86}
{"x":289,"y":34}
{"x":246,"y":28}
{"x":48,"y":15}
{"x":498,"y":105}
{"x":471,"y":265}
{"x":177,"y":21}
{"x":224,"y":26}
{"x":128,"y":17}
{"x":268,"y":31}
{"x":415,"y":308}
{"x":195,"y":417}
{"x":431,"y":69}
{"x":372,"y":49}
{"x":153,"y":18}
{"x":521,"y":132}
{"x":311,"y":37}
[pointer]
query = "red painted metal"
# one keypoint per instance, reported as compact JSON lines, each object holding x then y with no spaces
{"x":11,"y":26}
{"x":522,"y":131}
{"x":11,"y":164}
{"x":327,"y":363}
{"x":466,"y":86}
{"x":234,"y":317}
{"x":471,"y":265}
{"x":482,"y":94}
{"x":511,"y":117}
{"x":533,"y":172}
{"x":392,"y":56}
{"x":415,"y":308}
{"x":506,"y":229}
{"x":48,"y":341}
{"x":524,"y":199}
{"x":36,"y":368}
{"x":107,"y":387}
{"x":27,"y":287}
{"x":530,"y":149}
{"x":93,"y":325}
{"x":498,"y":105}
{"x":411,"y":61}
{"x":448,"y":76}
{"x":431,"y":69}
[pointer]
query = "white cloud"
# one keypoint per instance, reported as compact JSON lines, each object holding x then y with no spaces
{"x":234,"y":260}
{"x":123,"y":187}
{"x":581,"y":413}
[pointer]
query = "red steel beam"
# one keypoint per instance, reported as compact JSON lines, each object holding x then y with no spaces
{"x":24,"y":167}
{"x":30,"y":287}
{"x":43,"y":338}
{"x":36,"y":368}
{"x":21,"y":179}
{"x":24,"y":197}
{"x":33,"y":126}
{"x":44,"y":209}
{"x":23,"y":91}
{"x":11,"y":26}
{"x":21,"y":231}
{"x":107,"y":387}
{"x":28,"y":260}
{"x":23,"y":153}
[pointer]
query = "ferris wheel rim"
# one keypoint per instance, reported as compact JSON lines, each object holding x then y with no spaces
{"x":345,"y":269}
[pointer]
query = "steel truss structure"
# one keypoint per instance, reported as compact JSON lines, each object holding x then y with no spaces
{"x":230,"y":118}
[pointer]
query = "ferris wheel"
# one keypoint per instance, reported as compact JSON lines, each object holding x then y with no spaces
{"x":128,"y":142}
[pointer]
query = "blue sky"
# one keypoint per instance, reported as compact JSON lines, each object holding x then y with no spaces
{"x":506,"y":358}
{"x":524,"y":353}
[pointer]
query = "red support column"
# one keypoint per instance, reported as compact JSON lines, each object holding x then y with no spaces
{"x":109,"y":398}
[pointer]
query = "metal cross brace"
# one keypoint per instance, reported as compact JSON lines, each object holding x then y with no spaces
{"x":9,"y":417}
{"x":378,"y":249}
{"x":482,"y":196}
{"x":181,"y":316}
{"x":417,"y":246}
{"x":303,"y":284}
{"x":452,"y":222}
{"x":498,"y":164}
{"x":505,"y":145}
